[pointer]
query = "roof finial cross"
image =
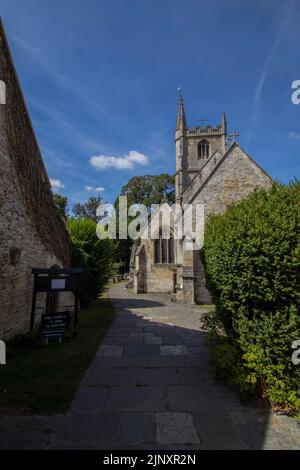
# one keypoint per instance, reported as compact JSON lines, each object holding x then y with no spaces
{"x":233,"y":136}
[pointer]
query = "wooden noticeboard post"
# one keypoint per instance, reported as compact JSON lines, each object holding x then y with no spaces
{"x":56,"y":280}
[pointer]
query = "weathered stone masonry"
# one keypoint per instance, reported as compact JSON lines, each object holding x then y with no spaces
{"x":32,"y":234}
{"x":208,"y":173}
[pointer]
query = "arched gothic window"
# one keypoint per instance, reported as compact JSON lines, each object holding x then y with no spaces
{"x":164,"y":249}
{"x":203,"y":149}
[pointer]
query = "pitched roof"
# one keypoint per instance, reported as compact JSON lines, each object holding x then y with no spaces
{"x":199,"y":171}
{"x":225,"y":156}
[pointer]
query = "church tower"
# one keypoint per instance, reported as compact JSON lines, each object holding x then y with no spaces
{"x":181,"y":150}
{"x":194,"y":146}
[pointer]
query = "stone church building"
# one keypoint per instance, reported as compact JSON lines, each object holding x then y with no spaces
{"x":208,"y":172}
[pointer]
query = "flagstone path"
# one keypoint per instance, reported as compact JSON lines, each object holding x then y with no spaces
{"x":150,"y":387}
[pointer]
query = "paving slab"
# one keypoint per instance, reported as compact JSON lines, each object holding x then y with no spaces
{"x":110,"y":350}
{"x":193,"y":398}
{"x":172,"y":340}
{"x":186,"y":360}
{"x":117,"y":340}
{"x":150,"y":398}
{"x":154,"y":340}
{"x":192,"y":376}
{"x":151,"y":349}
{"x":176,"y":428}
{"x":125,"y":376}
{"x":216,"y":429}
{"x":122,"y":361}
{"x":138,"y":427}
{"x":88,"y":428}
{"x":133,"y":350}
{"x":174,"y":350}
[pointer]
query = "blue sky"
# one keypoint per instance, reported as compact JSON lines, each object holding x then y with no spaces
{"x":100,"y":79}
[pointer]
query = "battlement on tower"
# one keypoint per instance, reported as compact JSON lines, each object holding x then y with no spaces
{"x":205,"y":130}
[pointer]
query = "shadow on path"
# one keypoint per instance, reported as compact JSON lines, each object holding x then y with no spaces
{"x":150,"y":387}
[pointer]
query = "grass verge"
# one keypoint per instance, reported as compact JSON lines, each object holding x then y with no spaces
{"x":42,"y":379}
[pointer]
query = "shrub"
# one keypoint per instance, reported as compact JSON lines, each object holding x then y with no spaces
{"x":92,"y":254}
{"x":252,"y":262}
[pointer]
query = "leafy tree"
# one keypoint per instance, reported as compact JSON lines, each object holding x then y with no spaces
{"x":88,"y":210}
{"x":252,"y":265}
{"x":61,"y":204}
{"x":149,"y":189}
{"x":92,"y":254}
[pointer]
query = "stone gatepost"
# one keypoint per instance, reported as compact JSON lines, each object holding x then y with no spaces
{"x":188,"y":280}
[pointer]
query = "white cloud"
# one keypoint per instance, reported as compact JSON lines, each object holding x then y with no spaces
{"x":102,"y":162}
{"x":99,"y":189}
{"x":293,"y":135}
{"x":56,"y":184}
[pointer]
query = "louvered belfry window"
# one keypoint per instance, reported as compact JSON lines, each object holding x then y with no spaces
{"x":203,"y":149}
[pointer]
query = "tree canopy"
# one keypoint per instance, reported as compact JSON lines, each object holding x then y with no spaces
{"x":147,"y":190}
{"x":88,"y":209}
{"x":150,"y":189}
{"x":61,"y":204}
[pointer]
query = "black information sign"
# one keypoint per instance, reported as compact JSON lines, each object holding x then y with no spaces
{"x":54,"y":326}
{"x":56,"y":280}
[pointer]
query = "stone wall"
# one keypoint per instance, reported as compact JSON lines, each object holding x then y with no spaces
{"x":202,"y":294}
{"x":236,"y":176}
{"x":193,"y":188}
{"x":150,"y":276}
{"x":160,"y":278}
{"x":31,"y":232}
{"x":140,"y":271}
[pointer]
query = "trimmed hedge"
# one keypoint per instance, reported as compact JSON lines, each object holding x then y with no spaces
{"x":252,"y":262}
{"x":92,"y":254}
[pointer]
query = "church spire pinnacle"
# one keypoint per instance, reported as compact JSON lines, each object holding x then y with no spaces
{"x":181,"y":121}
{"x":224,"y":123}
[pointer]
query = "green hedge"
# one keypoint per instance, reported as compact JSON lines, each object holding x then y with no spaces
{"x":91,"y":253}
{"x":252,"y":262}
